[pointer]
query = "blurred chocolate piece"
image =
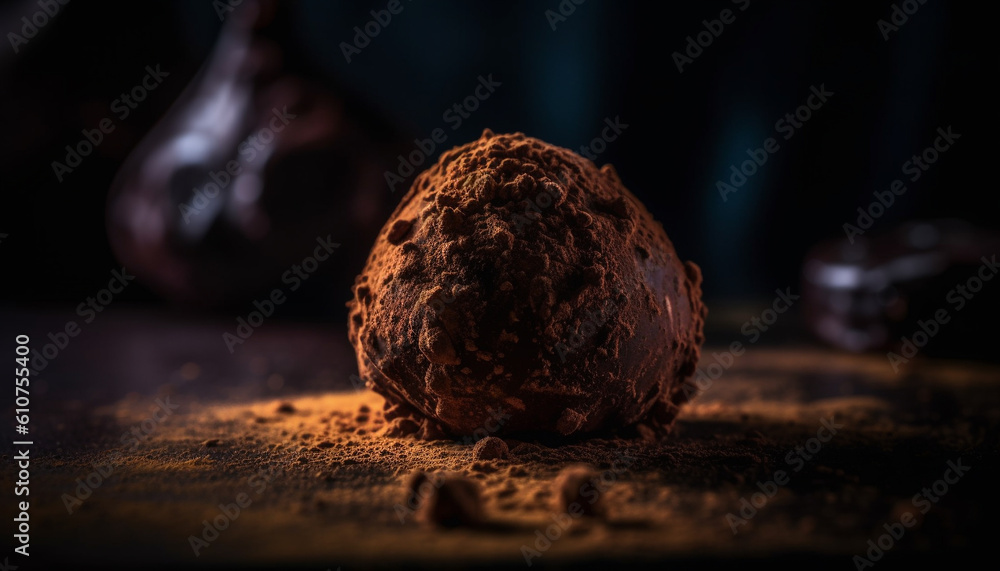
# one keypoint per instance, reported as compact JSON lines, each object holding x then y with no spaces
{"x":875,"y":292}
{"x":258,"y":159}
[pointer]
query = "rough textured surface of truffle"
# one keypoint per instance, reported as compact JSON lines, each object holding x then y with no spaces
{"x":516,"y":288}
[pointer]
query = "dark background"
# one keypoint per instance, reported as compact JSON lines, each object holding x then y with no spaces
{"x":606,"y":60}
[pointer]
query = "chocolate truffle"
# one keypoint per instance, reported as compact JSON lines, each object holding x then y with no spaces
{"x":517,"y":288}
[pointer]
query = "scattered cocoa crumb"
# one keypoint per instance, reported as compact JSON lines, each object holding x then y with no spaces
{"x":454,"y":501}
{"x":490,"y":448}
{"x":575,"y":491}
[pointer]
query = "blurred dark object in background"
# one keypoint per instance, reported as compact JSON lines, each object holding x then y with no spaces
{"x":916,"y":287}
{"x":254,"y":169}
{"x":559,"y":83}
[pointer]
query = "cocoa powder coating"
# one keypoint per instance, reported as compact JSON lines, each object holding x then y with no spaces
{"x":519,"y":288}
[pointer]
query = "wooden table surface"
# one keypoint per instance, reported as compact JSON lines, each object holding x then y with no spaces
{"x":276,"y":423}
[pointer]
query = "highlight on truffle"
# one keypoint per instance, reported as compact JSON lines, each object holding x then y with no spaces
{"x":517,"y":276}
